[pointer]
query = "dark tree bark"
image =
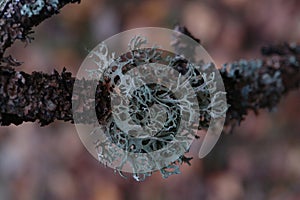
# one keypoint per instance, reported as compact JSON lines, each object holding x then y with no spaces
{"x":47,"y":97}
{"x":44,"y":97}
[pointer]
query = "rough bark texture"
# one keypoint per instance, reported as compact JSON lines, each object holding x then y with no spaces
{"x":257,"y":84}
{"x":26,"y":97}
{"x":47,"y":97}
{"x":33,"y":97}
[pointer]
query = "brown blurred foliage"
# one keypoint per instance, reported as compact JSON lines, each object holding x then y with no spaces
{"x":260,"y":161}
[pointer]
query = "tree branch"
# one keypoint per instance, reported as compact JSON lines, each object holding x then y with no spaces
{"x":258,"y":84}
{"x":44,"y":97}
{"x":250,"y":85}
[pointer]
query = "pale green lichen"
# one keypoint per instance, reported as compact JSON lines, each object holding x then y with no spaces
{"x":30,"y":9}
{"x":141,"y":100}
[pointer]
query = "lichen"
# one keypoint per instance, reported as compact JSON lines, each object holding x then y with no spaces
{"x":30,"y":9}
{"x":165,"y":125}
{"x":33,"y":8}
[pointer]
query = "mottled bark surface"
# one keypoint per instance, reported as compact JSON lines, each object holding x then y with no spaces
{"x":44,"y":97}
{"x":48,"y":97}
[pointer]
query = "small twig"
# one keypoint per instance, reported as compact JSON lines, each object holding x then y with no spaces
{"x":19,"y":17}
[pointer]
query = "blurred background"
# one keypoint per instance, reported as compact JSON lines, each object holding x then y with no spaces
{"x":260,"y":160}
